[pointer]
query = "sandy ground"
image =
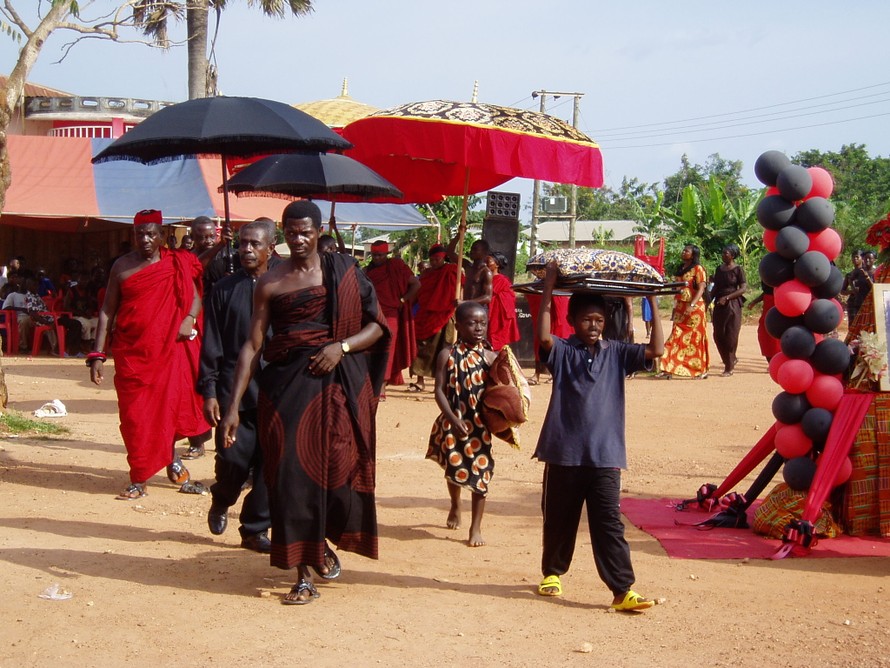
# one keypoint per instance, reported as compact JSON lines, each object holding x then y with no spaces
{"x":151,"y":586}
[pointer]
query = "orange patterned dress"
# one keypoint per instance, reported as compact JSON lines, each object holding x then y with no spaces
{"x":467,"y":461}
{"x":686,"y":350}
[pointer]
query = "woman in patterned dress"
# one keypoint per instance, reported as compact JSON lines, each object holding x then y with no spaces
{"x":686,"y":350}
{"x":460,"y":442}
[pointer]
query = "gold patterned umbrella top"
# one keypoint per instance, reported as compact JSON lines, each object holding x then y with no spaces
{"x":337,"y":112}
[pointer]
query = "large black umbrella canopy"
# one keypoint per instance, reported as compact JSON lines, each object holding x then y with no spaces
{"x":327,"y":176}
{"x":226,"y":126}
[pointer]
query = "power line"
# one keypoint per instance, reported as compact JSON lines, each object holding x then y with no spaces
{"x":750,"y":134}
{"x":744,"y":111}
{"x":703,"y":128}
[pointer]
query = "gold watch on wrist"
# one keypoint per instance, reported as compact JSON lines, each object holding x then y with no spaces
{"x":344,"y":346}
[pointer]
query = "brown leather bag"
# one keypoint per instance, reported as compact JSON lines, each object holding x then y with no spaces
{"x":505,"y":401}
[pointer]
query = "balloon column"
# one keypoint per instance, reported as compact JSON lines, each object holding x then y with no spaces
{"x":797,"y":219}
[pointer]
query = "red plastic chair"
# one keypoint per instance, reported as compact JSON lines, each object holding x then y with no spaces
{"x":9,"y":326}
{"x":39,"y":330}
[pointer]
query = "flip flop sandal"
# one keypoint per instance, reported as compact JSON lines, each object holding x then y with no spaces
{"x":177,"y":473}
{"x":193,"y":452}
{"x":332,"y":561}
{"x":190,"y":487}
{"x":414,"y":388}
{"x":633,"y":602}
{"x":134,"y":491}
{"x":550,"y":586}
{"x":299,"y":588}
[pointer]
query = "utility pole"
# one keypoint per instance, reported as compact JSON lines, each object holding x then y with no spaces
{"x":536,"y":193}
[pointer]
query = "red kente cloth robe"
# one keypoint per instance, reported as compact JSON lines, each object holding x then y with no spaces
{"x":503,"y":328}
{"x":436,"y":300}
{"x":390,"y":281}
{"x":154,"y":374}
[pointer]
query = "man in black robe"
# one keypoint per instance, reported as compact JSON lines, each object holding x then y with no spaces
{"x":227,"y":317}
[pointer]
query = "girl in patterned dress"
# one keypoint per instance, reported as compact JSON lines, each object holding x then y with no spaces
{"x":460,"y":442}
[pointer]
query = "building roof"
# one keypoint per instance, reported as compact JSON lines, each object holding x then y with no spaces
{"x":337,"y":112}
{"x":557,"y":231}
{"x":36,"y":90}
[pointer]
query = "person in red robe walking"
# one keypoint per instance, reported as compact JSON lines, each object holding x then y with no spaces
{"x":503,"y":328}
{"x":434,"y":320}
{"x":396,"y":286}
{"x":153,"y":298}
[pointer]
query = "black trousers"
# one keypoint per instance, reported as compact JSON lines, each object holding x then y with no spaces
{"x":566,"y":490}
{"x":234,"y":465}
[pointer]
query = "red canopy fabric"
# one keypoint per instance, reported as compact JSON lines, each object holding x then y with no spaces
{"x":429,"y":149}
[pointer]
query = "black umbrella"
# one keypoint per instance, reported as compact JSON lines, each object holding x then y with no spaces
{"x":224,"y":126}
{"x":327,"y":176}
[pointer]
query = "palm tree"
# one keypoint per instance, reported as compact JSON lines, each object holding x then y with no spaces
{"x":153,"y":16}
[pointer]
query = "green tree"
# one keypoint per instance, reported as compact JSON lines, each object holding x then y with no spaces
{"x":727,"y":172}
{"x":861,"y":188}
{"x":413,"y":244}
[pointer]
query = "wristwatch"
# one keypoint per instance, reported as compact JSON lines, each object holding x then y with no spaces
{"x":344,"y":346}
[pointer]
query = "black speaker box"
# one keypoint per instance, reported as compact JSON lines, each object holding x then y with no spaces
{"x":502,"y":235}
{"x":502,"y":205}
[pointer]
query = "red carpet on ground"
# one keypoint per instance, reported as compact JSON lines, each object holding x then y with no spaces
{"x":682,"y":540}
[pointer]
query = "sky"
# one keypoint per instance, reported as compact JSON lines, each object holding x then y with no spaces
{"x":659,"y":79}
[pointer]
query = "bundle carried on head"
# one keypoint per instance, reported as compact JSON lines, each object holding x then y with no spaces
{"x":602,"y":271}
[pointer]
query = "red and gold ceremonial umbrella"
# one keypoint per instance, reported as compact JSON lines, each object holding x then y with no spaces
{"x":437,"y":148}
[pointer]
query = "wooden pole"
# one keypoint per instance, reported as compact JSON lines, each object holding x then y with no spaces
{"x":461,"y":230}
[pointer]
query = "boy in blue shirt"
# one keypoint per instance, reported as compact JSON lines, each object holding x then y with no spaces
{"x":582,"y":442}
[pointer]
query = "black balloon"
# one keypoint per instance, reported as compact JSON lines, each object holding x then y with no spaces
{"x":790,"y":408}
{"x":822,"y":316}
{"x":774,"y":212}
{"x":814,"y":215}
{"x":777,"y":322}
{"x":768,"y":166}
{"x":792,"y":242}
{"x":798,"y":473}
{"x":794,"y":182}
{"x":832,"y":287}
{"x":832,"y":356}
{"x":775,"y":269}
{"x":798,"y":342}
{"x":812,"y":268}
{"x":815,"y":424}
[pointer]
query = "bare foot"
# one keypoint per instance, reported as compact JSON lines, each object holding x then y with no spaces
{"x":476,"y":539}
{"x":453,"y":521}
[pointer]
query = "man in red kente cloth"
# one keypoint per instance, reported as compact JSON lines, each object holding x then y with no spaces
{"x":153,"y":298}
{"x":396,"y":286}
{"x":433,"y":322}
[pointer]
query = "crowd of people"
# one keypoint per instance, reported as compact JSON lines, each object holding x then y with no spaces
{"x":287,"y":360}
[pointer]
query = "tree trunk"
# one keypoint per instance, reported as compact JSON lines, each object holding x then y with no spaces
{"x":196,"y":24}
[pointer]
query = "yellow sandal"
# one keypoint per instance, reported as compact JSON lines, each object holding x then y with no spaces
{"x":633,"y":602}
{"x":550,"y":586}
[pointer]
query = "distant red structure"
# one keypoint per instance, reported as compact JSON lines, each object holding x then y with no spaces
{"x":656,"y":260}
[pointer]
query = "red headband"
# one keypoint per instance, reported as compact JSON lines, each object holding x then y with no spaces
{"x":148,"y":216}
{"x":379,"y":246}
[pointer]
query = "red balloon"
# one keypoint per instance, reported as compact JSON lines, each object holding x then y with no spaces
{"x":796,"y":376}
{"x":823,"y":184}
{"x":825,"y":392}
{"x":827,"y":241}
{"x":769,"y":240}
{"x":791,"y":442}
{"x":775,"y":362}
{"x":771,"y":190}
{"x":819,"y":338}
{"x":793,"y":298}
